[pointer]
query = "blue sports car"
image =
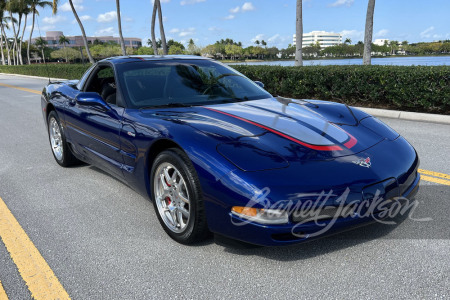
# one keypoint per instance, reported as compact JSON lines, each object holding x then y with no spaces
{"x":215,"y":152}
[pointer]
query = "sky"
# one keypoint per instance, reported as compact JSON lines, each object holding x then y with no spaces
{"x":206,"y":21}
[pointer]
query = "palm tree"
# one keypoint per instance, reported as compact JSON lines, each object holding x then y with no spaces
{"x":25,"y":10}
{"x":91,"y":59}
{"x":12,"y":6}
{"x":2,"y":21}
{"x":154,"y":46}
{"x":299,"y":35}
{"x":157,"y":7}
{"x":161,"y":28}
{"x":63,"y":40}
{"x":368,"y":33}
{"x":34,"y":4}
{"x":40,"y":42}
{"x":348,"y":41}
{"x":119,"y":23}
{"x":3,"y":25}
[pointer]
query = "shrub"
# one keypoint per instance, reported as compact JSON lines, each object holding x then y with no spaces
{"x":68,"y":71}
{"x":414,"y":88}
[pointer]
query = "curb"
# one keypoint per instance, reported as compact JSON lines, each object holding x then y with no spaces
{"x":377,"y":112}
{"x":34,"y":77}
{"x":407,"y":115}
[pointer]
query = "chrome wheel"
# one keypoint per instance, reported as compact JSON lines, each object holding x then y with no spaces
{"x":56,"y":138}
{"x":171,"y":197}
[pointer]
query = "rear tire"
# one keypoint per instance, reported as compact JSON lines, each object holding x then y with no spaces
{"x":60,"y":149}
{"x":177,"y":197}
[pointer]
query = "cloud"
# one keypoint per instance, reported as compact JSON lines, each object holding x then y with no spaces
{"x":353,"y":34}
{"x":427,"y":32}
{"x":347,"y":3}
{"x":235,"y":10}
{"x":382,"y":33}
{"x":107,"y":17}
{"x":105,"y":31}
{"x":54,"y":19}
{"x":83,"y":19}
{"x":186,"y":32}
{"x":187,"y":2}
{"x":248,"y":6}
{"x":76,"y":4}
{"x":214,"y":28}
{"x":273,"y":38}
{"x":279,"y":40}
{"x":174,"y":30}
{"x":258,"y":37}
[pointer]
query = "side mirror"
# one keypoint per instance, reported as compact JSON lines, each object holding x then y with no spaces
{"x":260,"y":83}
{"x":92,"y":99}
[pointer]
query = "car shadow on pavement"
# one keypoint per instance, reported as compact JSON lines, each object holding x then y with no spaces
{"x":323,"y":245}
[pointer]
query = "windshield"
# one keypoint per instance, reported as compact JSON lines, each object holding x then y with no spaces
{"x":174,"y":83}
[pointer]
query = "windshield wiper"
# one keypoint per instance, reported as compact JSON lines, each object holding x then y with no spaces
{"x":172,"y":104}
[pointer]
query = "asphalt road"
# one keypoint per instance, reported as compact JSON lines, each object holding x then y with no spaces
{"x":103,"y":241}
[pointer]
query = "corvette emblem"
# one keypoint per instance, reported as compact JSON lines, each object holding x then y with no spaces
{"x":363,"y":162}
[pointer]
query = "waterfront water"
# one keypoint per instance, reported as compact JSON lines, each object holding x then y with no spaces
{"x":394,"y":61}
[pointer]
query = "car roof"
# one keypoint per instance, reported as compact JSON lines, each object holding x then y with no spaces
{"x":132,"y":58}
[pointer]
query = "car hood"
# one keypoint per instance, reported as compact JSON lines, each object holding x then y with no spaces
{"x":272,"y":133}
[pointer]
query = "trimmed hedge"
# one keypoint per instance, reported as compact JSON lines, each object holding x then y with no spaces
{"x":67,"y":71}
{"x":413,"y":88}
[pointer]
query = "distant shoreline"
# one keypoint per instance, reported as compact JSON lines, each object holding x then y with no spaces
{"x":328,"y":58}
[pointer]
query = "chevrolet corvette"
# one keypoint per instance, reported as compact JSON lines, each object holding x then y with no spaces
{"x":215,"y":152}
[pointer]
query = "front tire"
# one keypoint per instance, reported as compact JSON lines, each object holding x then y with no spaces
{"x":177,"y":197}
{"x":60,"y":149}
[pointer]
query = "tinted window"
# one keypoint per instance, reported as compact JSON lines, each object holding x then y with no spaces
{"x":84,"y":77}
{"x":184,"y":82}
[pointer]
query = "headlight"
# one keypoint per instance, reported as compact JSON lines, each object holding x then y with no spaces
{"x":261,"y":215}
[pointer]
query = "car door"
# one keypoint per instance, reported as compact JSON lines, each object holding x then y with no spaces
{"x":94,"y":130}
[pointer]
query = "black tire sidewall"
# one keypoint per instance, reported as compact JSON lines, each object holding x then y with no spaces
{"x":192,"y":183}
{"x":63,"y":162}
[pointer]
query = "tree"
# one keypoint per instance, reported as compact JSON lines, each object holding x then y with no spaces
{"x":257,"y":42}
{"x":161,"y":28}
{"x":263,"y":43}
{"x":3,"y":23}
{"x":34,"y":4}
{"x":348,"y":41}
{"x":91,"y":59}
{"x":40,"y":43}
{"x":368,"y":33}
{"x":145,"y":51}
{"x":119,"y":25}
{"x":63,"y":40}
{"x":24,"y":10}
{"x":157,"y":8}
{"x":175,"y":49}
{"x":393,"y":47}
{"x":154,"y":45}
{"x":299,"y":35}
{"x":67,"y":54}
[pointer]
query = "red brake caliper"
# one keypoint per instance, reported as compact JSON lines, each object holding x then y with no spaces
{"x":167,"y":198}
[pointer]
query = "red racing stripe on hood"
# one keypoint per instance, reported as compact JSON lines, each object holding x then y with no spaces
{"x":314,"y":147}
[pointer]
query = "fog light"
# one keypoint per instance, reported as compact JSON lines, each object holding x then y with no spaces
{"x":260,"y":215}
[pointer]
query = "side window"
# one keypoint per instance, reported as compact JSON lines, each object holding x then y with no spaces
{"x":103,"y":82}
{"x":84,"y":77}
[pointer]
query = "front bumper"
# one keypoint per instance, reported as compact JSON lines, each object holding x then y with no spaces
{"x":292,"y":233}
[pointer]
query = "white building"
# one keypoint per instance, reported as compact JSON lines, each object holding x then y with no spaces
{"x":325,"y":39}
{"x":381,"y":42}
